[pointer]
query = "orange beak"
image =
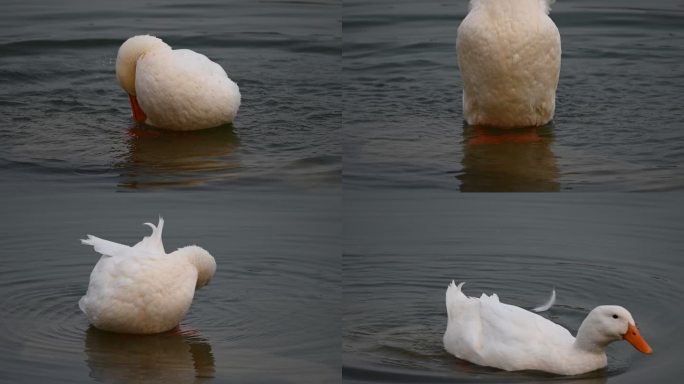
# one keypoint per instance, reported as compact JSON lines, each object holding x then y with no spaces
{"x":138,"y":114}
{"x":634,"y":337}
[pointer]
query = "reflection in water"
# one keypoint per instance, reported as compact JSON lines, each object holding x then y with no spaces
{"x":493,"y":375}
{"x":464,"y":372}
{"x":519,"y":160}
{"x":170,"y":357}
{"x":158,"y":159}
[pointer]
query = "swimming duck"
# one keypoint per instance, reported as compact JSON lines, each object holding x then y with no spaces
{"x":509,"y":55}
{"x":487,"y":332}
{"x":142,"y":289}
{"x":176,"y":89}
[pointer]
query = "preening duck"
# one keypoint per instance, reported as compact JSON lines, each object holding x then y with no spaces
{"x":509,"y":55}
{"x":142,"y":289}
{"x":487,"y":332}
{"x":176,"y":89}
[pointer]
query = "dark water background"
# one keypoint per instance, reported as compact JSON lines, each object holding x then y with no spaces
{"x":619,"y":123}
{"x":261,"y":195}
{"x":403,"y":248}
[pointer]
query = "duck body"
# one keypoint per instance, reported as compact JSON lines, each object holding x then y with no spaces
{"x":486,"y":332}
{"x":141,"y":289}
{"x":509,"y":55}
{"x":178,"y":89}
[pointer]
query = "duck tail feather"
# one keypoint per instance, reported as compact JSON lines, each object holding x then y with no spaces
{"x":453,"y":295}
{"x":153,"y":242}
{"x":156,"y":229}
{"x":548,"y":304}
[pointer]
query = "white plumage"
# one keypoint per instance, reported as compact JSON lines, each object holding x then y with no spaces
{"x":175,"y":89}
{"x":509,"y":55}
{"x":487,"y":332}
{"x":141,"y":289}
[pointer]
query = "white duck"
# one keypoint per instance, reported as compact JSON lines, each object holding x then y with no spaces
{"x":487,"y":332}
{"x":509,"y":55}
{"x":141,"y":289}
{"x":179,"y":89}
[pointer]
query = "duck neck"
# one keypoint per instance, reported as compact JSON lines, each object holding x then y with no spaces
{"x":589,"y":339}
{"x":200,"y":259}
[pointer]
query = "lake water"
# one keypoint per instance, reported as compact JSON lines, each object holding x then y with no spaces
{"x":262,"y":195}
{"x":403,"y":248}
{"x":619,"y":123}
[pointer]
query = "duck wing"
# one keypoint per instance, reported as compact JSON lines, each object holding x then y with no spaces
{"x":514,"y":338}
{"x":106,"y":247}
{"x":184,"y":90}
{"x":111,"y":249}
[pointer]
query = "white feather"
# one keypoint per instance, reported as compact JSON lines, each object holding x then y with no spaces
{"x":106,"y":248}
{"x":153,"y":242}
{"x":549,"y":303}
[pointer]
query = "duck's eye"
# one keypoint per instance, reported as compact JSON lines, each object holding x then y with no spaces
{"x":615,"y":316}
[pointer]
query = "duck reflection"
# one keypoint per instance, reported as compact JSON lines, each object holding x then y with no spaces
{"x":463,"y":367}
{"x":162,"y":159}
{"x":518,"y":160}
{"x":178,"y":356}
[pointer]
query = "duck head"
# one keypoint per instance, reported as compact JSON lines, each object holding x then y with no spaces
{"x":200,"y":259}
{"x":608,"y":323}
{"x":126,"y":60}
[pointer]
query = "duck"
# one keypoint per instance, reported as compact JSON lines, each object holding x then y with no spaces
{"x":141,"y":289}
{"x":486,"y":332}
{"x":175,"y":89}
{"x":509,"y":57}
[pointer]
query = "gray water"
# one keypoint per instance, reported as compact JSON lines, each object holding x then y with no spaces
{"x":619,"y":122}
{"x":403,"y":248}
